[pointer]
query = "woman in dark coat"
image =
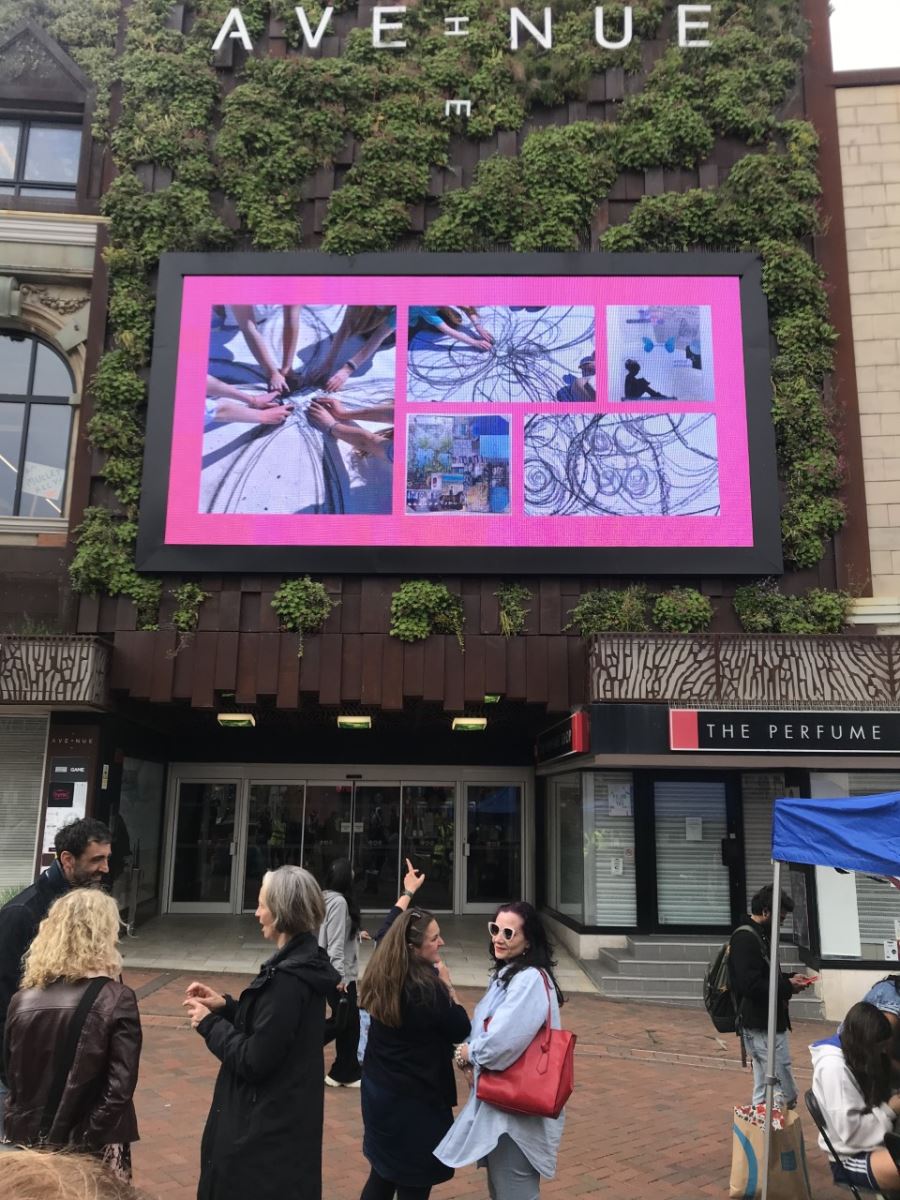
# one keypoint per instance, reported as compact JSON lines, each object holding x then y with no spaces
{"x":408,"y":1088}
{"x":263,"y":1136}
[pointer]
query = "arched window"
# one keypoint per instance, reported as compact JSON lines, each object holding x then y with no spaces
{"x":35,"y":426}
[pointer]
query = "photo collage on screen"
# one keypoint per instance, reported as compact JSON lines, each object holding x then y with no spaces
{"x":299,"y":412}
{"x":501,"y":360}
{"x":649,"y":448}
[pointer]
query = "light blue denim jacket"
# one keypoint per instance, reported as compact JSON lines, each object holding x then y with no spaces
{"x":517,"y":1012}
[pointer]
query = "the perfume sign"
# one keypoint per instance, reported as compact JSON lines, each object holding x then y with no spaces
{"x":387,"y":26}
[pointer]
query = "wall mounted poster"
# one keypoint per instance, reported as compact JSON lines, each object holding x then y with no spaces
{"x":447,"y":414}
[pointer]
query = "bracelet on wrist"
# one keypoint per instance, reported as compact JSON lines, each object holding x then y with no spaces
{"x":407,"y":892}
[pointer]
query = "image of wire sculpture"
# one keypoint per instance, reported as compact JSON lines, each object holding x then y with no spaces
{"x":535,"y":358}
{"x":294,"y":467}
{"x":615,"y":465}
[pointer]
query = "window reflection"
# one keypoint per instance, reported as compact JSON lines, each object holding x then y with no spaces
{"x":38,"y":158}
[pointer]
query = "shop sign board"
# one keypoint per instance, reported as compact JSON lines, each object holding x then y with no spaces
{"x":571,"y":736}
{"x":785,"y":732}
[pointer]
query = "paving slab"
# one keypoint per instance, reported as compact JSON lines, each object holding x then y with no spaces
{"x":650,"y":1118}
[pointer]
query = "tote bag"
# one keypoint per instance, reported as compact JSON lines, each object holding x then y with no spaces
{"x":541,"y":1080}
{"x":788,"y":1178}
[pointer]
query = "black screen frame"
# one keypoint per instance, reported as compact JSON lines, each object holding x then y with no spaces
{"x":764,"y":557}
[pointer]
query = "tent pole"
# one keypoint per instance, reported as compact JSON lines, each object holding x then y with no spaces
{"x":771,"y":1078}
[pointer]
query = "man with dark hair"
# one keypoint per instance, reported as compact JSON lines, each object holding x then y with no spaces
{"x":751,"y":949}
{"x":82,"y":860}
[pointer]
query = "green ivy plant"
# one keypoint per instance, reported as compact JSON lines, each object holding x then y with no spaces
{"x":420,"y":608}
{"x":303,"y":606}
{"x":682,"y":610}
{"x":254,"y":139}
{"x":611,"y":610}
{"x":188,"y":598}
{"x":762,"y":608}
{"x":511,"y":601}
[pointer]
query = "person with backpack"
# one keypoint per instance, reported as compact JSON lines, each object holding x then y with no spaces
{"x":751,"y":947}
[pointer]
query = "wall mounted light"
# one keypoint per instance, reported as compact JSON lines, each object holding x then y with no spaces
{"x":469,"y":724}
{"x":236,"y":720}
{"x":492,"y":698}
{"x":354,"y":722}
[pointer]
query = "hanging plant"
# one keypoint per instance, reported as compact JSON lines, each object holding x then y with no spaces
{"x":683,"y":610}
{"x":512,"y":598}
{"x":611,"y":610}
{"x":420,"y":608}
{"x":188,"y":599}
{"x":303,"y":606}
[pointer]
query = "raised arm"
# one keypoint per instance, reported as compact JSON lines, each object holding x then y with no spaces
{"x":412,"y":881}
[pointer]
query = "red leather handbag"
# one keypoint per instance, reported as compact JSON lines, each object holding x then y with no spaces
{"x":541,"y":1080}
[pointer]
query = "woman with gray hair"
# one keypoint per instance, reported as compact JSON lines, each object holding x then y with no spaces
{"x":263,"y":1135}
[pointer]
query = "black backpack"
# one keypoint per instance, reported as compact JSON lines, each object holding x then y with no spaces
{"x":717,"y":994}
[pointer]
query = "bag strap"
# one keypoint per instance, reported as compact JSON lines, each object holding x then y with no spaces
{"x":545,"y":1041}
{"x":65,"y":1055}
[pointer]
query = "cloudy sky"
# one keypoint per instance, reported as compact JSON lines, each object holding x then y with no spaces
{"x":865,"y":34}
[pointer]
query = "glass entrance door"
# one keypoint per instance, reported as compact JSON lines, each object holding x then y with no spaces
{"x":205,"y":845}
{"x":274,"y":833}
{"x":493,"y":845}
{"x":359,"y":821}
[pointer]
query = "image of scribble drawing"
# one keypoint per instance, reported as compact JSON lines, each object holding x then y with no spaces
{"x":621,"y":466}
{"x":660,"y":352}
{"x":491,"y":355}
{"x":457,"y":464}
{"x":299,"y":409}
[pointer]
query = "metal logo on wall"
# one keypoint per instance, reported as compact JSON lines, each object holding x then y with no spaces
{"x":793,"y":732}
{"x":693,"y":22}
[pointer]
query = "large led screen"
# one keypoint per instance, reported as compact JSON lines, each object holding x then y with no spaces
{"x":460,"y":412}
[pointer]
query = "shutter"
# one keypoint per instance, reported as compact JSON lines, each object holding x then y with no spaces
{"x":692,"y":885}
{"x":615,"y":901}
{"x":23,"y":744}
{"x":877,"y":901}
{"x":759,"y":792}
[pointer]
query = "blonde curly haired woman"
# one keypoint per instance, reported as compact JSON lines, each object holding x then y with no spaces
{"x":29,"y":1175}
{"x":73,"y":1037}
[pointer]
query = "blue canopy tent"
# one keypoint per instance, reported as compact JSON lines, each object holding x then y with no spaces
{"x":856,"y":833}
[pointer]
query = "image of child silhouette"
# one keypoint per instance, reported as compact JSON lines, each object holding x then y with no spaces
{"x":636,"y":386}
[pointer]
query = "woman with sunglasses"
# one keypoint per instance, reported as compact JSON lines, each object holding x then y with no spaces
{"x":517,"y":1150}
{"x":408,"y":1090}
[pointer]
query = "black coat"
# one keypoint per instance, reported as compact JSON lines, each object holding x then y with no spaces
{"x":19,"y":921}
{"x":749,"y":969}
{"x":263,"y":1136}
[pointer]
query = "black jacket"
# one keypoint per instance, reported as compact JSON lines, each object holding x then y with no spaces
{"x":749,"y":970}
{"x":19,"y":921}
{"x":416,"y":1059}
{"x":263,"y":1135}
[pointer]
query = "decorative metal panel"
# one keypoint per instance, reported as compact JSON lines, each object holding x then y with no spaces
{"x":754,"y":669}
{"x":54,"y":670}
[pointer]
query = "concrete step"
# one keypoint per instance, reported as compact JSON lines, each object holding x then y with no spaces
{"x":670,"y":971}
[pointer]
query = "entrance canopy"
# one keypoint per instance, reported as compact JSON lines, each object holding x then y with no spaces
{"x":858,"y":833}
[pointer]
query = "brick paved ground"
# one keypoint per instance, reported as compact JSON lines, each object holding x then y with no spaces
{"x":650,"y":1118}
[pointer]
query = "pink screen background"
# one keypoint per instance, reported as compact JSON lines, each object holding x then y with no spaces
{"x":733,"y":527}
